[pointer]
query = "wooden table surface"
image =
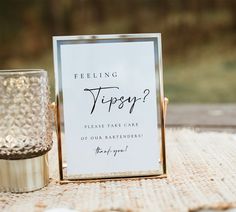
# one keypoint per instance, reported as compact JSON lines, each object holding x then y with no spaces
{"x":220,"y":117}
{"x":201,"y":176}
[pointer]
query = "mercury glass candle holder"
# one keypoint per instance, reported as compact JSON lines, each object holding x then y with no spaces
{"x":25,"y":130}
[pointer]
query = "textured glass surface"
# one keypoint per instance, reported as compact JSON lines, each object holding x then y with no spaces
{"x":25,"y":118}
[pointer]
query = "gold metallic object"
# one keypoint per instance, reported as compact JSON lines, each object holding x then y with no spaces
{"x":166,"y":101}
{"x":161,"y":104}
{"x":24,"y":175}
{"x":25,"y":130}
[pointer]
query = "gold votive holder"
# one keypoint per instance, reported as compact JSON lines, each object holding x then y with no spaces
{"x":25,"y":130}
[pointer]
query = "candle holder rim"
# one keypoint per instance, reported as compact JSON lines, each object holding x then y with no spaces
{"x":23,"y":71}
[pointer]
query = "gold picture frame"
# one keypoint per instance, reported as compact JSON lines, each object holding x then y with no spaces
{"x":161,"y":103}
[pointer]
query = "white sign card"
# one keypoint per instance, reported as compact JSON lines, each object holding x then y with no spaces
{"x":110,"y":116}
